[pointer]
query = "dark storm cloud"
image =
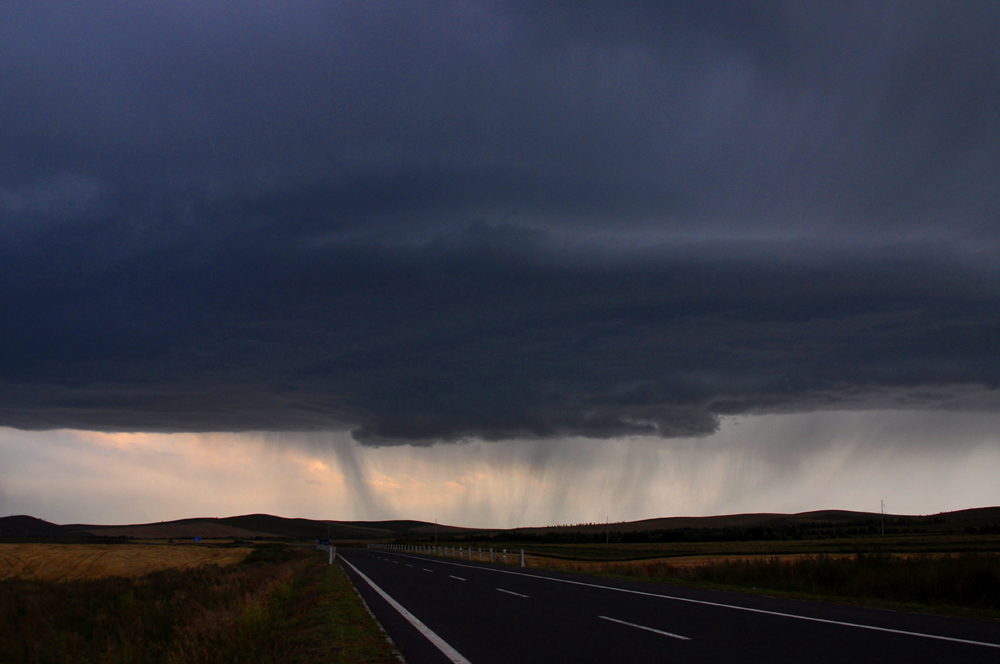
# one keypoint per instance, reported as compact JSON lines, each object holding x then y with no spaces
{"x":494,"y":219}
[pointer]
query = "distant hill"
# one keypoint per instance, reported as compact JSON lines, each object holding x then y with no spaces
{"x":208,"y":528}
{"x":944,"y":521}
{"x":721,"y":521}
{"x":248,"y":526}
{"x":23,"y":525}
{"x":267,"y":526}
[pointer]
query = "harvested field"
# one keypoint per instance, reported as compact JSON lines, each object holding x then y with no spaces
{"x":597,"y":567}
{"x":600,"y":566}
{"x":72,"y":562}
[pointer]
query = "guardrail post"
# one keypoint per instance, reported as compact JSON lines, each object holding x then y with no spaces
{"x":505,"y":555}
{"x":491,"y":554}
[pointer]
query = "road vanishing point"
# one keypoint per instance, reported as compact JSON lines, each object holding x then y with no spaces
{"x":447,"y":610}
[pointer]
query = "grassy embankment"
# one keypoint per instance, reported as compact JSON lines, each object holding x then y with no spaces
{"x":277,"y":605}
{"x":956,"y":574}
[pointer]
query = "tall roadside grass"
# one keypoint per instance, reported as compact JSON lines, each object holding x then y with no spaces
{"x":261,"y":610}
{"x":969,"y":581}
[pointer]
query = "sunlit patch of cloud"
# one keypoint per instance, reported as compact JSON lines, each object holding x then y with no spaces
{"x":917,"y":462}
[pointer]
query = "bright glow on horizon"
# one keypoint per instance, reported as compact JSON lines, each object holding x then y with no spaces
{"x":775,"y":463}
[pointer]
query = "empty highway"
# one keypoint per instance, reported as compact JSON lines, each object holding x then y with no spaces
{"x":448,"y":610}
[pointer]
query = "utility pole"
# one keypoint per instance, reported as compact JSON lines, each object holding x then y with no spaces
{"x":883,"y":518}
{"x":607,"y":530}
{"x":435,"y":532}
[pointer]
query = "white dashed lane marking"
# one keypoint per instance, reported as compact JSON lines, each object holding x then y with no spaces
{"x":648,"y":629}
{"x":511,"y":592}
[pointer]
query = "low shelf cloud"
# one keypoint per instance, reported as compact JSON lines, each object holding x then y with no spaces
{"x":471,"y":337}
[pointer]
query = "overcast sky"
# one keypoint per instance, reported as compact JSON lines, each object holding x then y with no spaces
{"x":429,"y":232}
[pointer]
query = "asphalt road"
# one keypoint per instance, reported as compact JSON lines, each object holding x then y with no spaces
{"x":462,"y":611}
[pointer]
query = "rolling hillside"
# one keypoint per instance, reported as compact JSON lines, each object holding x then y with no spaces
{"x":266,"y":526}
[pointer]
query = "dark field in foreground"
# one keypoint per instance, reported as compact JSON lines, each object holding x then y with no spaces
{"x":280,"y":604}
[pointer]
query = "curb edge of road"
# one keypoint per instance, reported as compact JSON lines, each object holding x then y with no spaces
{"x":381,"y":627}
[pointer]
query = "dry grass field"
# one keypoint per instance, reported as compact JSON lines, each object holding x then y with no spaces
{"x":280,"y":604}
{"x":73,"y":562}
{"x":898,"y":545}
{"x":599,"y":567}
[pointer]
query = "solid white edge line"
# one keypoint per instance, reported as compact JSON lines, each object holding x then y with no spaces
{"x":511,"y":592}
{"x":648,"y":629}
{"x":873,"y":628}
{"x":441,"y":644}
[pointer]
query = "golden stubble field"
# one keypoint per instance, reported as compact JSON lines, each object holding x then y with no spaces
{"x":72,"y":562}
{"x":598,"y":567}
